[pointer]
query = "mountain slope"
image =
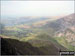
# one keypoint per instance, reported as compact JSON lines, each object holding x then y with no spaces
{"x":62,"y":23}
{"x":67,"y":28}
{"x":64,"y":29}
{"x":16,"y":47}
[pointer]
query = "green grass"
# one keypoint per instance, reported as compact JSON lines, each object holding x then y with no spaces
{"x":63,"y":42}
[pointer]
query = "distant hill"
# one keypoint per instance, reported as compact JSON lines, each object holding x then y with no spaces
{"x":22,"y":20}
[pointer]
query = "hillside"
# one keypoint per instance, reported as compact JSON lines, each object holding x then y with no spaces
{"x":62,"y":23}
{"x":25,"y":48}
{"x":65,"y":29}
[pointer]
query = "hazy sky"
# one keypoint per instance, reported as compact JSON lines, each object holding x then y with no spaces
{"x":36,"y":8}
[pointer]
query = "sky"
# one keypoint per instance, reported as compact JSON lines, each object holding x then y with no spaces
{"x":36,"y":8}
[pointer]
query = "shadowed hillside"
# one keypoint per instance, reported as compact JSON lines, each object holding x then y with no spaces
{"x":16,"y":47}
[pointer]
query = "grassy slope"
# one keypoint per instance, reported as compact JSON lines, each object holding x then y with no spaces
{"x":63,"y":42}
{"x":42,"y":39}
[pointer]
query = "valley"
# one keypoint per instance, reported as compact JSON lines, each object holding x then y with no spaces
{"x":42,"y":32}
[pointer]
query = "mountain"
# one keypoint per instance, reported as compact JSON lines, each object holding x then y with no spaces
{"x":62,"y":23}
{"x":67,"y":28}
{"x":64,"y":27}
{"x":69,"y":35}
{"x":16,"y":47}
